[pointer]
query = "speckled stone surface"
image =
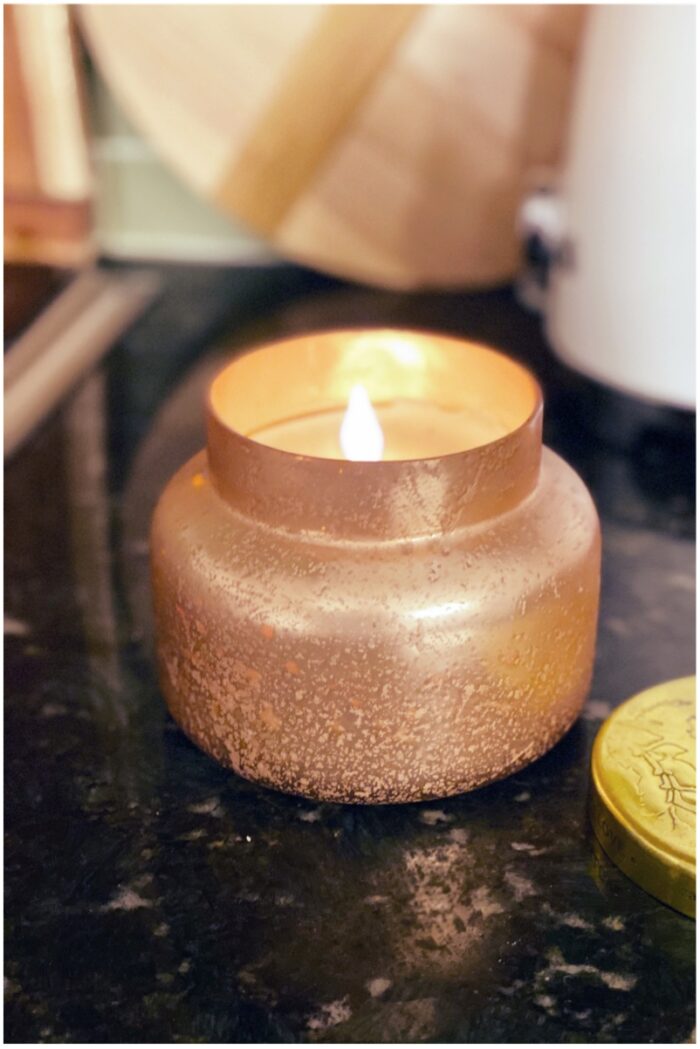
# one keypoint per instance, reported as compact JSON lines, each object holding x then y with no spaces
{"x":153,"y":896}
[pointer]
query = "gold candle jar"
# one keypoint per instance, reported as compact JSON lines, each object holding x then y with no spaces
{"x":375,"y":631}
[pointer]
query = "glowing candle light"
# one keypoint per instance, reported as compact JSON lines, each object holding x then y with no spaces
{"x":408,"y":625}
{"x":361,"y":436}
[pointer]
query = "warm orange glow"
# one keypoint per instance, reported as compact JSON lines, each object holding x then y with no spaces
{"x":361,"y":437}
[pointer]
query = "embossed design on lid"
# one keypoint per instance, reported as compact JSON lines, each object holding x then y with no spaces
{"x":643,"y":803}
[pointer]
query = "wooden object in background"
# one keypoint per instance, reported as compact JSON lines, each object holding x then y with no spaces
{"x":67,"y":339}
{"x":27,"y":289}
{"x":390,"y":144}
{"x":47,"y":180}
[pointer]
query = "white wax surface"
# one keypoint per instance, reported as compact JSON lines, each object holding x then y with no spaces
{"x":412,"y":430}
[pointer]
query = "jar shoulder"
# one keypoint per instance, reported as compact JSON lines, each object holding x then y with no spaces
{"x":546,"y":545}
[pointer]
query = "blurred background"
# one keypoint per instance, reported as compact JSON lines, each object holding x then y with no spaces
{"x":549,"y":147}
{"x":182,"y":182}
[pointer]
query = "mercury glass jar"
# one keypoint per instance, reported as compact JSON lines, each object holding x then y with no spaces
{"x":382,"y":631}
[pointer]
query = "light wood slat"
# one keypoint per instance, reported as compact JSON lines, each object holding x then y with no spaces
{"x":347,"y":50}
{"x":387,"y":144}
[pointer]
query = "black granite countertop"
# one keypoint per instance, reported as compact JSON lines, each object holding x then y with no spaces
{"x":153,"y":896}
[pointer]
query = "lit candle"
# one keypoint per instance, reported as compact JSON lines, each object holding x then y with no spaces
{"x":375,"y":584}
{"x":403,"y":428}
{"x":384,"y":400}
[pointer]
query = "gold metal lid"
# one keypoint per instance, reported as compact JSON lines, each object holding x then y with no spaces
{"x":643,"y":794}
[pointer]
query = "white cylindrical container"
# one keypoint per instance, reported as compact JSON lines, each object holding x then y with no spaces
{"x":621,"y":300}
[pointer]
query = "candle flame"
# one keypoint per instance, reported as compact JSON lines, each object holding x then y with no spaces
{"x":361,"y":437}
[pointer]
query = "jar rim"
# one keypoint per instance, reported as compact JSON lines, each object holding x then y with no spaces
{"x":220,"y":387}
{"x":386,"y":499}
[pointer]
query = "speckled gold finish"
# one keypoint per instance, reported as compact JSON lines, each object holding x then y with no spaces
{"x":374,"y":632}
